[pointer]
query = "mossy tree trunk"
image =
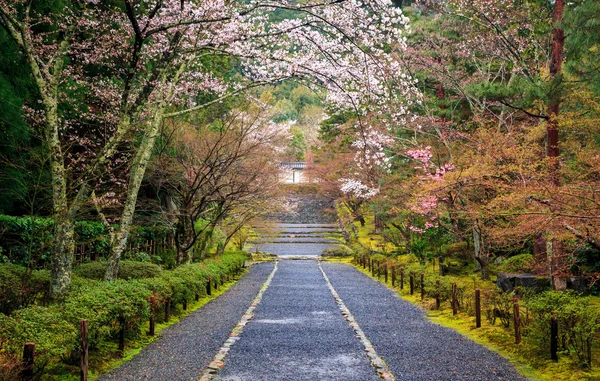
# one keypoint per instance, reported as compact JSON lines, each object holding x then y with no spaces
{"x":138,"y":170}
{"x":46,"y":83}
{"x":480,"y":255}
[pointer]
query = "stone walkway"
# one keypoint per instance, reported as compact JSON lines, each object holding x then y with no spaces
{"x":300,"y":320}
{"x":298,"y":331}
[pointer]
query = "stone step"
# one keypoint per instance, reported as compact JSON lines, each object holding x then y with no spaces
{"x":294,"y":240}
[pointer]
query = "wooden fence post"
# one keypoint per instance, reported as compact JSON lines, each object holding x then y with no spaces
{"x":168,"y":310}
{"x":393,"y":269}
{"x":385,"y":272}
{"x":401,"y":278}
{"x":422,"y":286}
{"x":28,"y":361}
{"x":372,"y":267}
{"x":454,"y":299}
{"x":554,"y":337}
{"x":411,"y":282}
{"x":122,"y":336}
{"x":208,"y":288}
{"x":84,"y":361}
{"x":477,"y":308}
{"x":517,"y":320}
{"x":152,"y":323}
{"x":437,"y":294}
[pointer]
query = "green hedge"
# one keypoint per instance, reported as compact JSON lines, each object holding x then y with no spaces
{"x":127,"y":270}
{"x":54,"y":336}
{"x":21,"y":287}
{"x":108,"y":306}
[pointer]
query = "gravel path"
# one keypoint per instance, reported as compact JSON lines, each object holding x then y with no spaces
{"x":413,"y":347}
{"x":187,"y":347}
{"x":297,"y":333}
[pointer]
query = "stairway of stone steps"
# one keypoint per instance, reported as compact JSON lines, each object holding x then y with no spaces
{"x":304,"y":230}
{"x":299,"y":240}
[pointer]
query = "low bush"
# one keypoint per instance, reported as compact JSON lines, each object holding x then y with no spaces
{"x":127,"y":270}
{"x":522,"y":263}
{"x":578,"y":323}
{"x":378,"y":257}
{"x":441,"y":289}
{"x":359,"y":249}
{"x":108,"y":307}
{"x":53,"y":335}
{"x":498,"y":304}
{"x":21,"y":287}
{"x":340,"y":251}
{"x":460,"y":250}
{"x":194,"y":280}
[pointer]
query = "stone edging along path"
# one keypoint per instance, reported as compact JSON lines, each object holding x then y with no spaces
{"x":217,"y":363}
{"x":376,"y":361}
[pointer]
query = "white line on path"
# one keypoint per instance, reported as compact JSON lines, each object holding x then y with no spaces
{"x":211,"y":371}
{"x":376,"y":361}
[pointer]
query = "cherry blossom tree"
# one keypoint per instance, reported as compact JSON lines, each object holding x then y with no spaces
{"x":135,"y":63}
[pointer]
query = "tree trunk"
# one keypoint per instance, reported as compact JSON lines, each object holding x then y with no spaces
{"x":345,"y":233}
{"x":379,"y":226}
{"x":558,"y":40}
{"x":360,"y":218}
{"x":64,"y":227}
{"x":479,"y":251}
{"x":63,"y":256}
{"x":138,"y":170}
{"x":204,"y":240}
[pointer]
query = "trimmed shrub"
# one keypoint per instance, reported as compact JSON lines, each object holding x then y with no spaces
{"x":339,"y":251}
{"x":10,"y":285}
{"x":443,"y":290}
{"x":21,"y":287}
{"x":54,"y":337}
{"x":127,"y":270}
{"x":459,"y":250}
{"x":194,"y":281}
{"x":498,"y":304}
{"x":108,"y":306}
